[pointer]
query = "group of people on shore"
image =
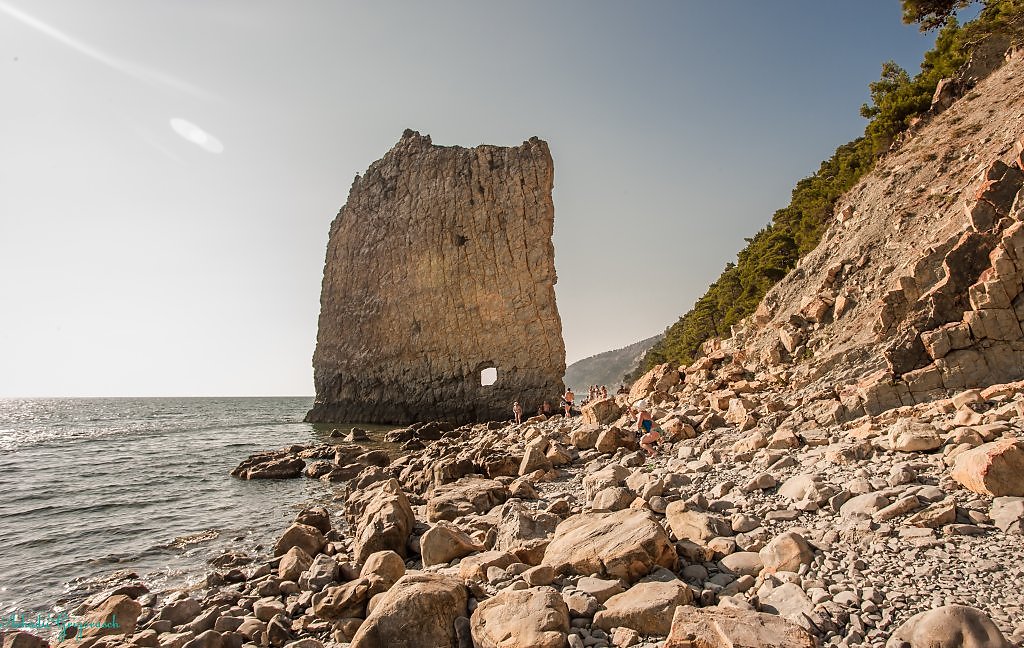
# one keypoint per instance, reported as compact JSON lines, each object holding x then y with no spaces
{"x":647,"y":432}
{"x":597,"y":392}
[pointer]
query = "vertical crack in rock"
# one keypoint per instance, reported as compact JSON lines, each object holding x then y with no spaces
{"x":440,"y":265}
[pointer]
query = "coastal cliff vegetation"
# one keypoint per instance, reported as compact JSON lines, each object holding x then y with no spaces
{"x":897,"y":101}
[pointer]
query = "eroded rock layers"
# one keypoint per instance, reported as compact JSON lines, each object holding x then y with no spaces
{"x":439,"y":266}
{"x":916,"y":289}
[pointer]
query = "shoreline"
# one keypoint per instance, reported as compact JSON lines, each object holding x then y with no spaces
{"x":99,"y":487}
{"x":835,"y":535}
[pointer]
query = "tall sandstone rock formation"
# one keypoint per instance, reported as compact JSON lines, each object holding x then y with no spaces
{"x":439,"y":266}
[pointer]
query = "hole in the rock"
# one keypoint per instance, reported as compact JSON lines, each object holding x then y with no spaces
{"x":460,"y":240}
{"x":488,"y":376}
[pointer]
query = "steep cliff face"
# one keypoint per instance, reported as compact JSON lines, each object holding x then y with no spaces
{"x":915,"y":290}
{"x":440,"y":265}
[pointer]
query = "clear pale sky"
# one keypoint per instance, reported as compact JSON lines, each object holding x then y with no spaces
{"x":169,"y":169}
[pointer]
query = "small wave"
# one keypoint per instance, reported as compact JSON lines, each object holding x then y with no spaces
{"x":39,"y":510}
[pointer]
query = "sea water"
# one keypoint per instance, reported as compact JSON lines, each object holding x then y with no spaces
{"x":92,"y":486}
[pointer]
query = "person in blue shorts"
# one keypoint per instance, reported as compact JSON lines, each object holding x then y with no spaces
{"x":645,"y":428}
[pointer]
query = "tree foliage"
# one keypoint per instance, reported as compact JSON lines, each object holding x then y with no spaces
{"x":896,"y":100}
{"x":930,"y":14}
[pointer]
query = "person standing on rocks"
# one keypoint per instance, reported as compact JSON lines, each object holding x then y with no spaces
{"x":517,"y":411}
{"x":567,"y":401}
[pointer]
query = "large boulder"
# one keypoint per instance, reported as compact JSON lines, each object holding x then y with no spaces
{"x":601,"y":412}
{"x":496,"y":463}
{"x":387,"y":566}
{"x":613,"y":499}
{"x":444,"y":542}
{"x":995,"y":468}
{"x":718,"y":627}
{"x":661,"y":378}
{"x":323,"y":571}
{"x":806,"y":487}
{"x":293,"y":564}
{"x":677,"y":429}
{"x":525,"y":532}
{"x":419,"y":610}
{"x":950,"y":626}
{"x":317,"y":517}
{"x":863,"y":506}
{"x":788,"y":601}
{"x":181,"y":611}
{"x":601,"y":589}
{"x":742,"y":563}
{"x":786,"y":552}
{"x":645,"y":607}
{"x":585,"y":436}
{"x":384,"y":522}
{"x":614,"y":438}
{"x":529,"y":618}
{"x":908,"y":435}
{"x":1008,"y":514}
{"x":466,"y":496}
{"x":625,"y":544}
{"x":116,"y":615}
{"x":346,"y":601}
{"x":608,"y":477}
{"x":696,"y":526}
{"x":275,"y":464}
{"x":533,"y":460}
{"x":307,"y":538}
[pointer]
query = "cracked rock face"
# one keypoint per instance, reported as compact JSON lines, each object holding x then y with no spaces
{"x":439,"y":266}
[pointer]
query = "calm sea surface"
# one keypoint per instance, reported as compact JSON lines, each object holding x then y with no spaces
{"x":92,"y":486}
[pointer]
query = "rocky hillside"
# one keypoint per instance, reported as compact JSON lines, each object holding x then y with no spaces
{"x":607,"y":368}
{"x":899,"y":102}
{"x":915,"y":289}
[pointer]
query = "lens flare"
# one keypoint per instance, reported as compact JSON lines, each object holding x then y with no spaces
{"x":196,"y":135}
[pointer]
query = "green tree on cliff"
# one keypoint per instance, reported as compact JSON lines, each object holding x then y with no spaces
{"x":932,"y":13}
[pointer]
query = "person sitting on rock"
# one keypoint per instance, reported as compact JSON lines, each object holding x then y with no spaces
{"x":567,"y":401}
{"x":645,"y":428}
{"x":517,"y":411}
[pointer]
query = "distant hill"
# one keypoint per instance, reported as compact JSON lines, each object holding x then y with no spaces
{"x":609,"y":367}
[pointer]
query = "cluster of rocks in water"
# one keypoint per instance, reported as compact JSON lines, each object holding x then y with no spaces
{"x":760,"y":523}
